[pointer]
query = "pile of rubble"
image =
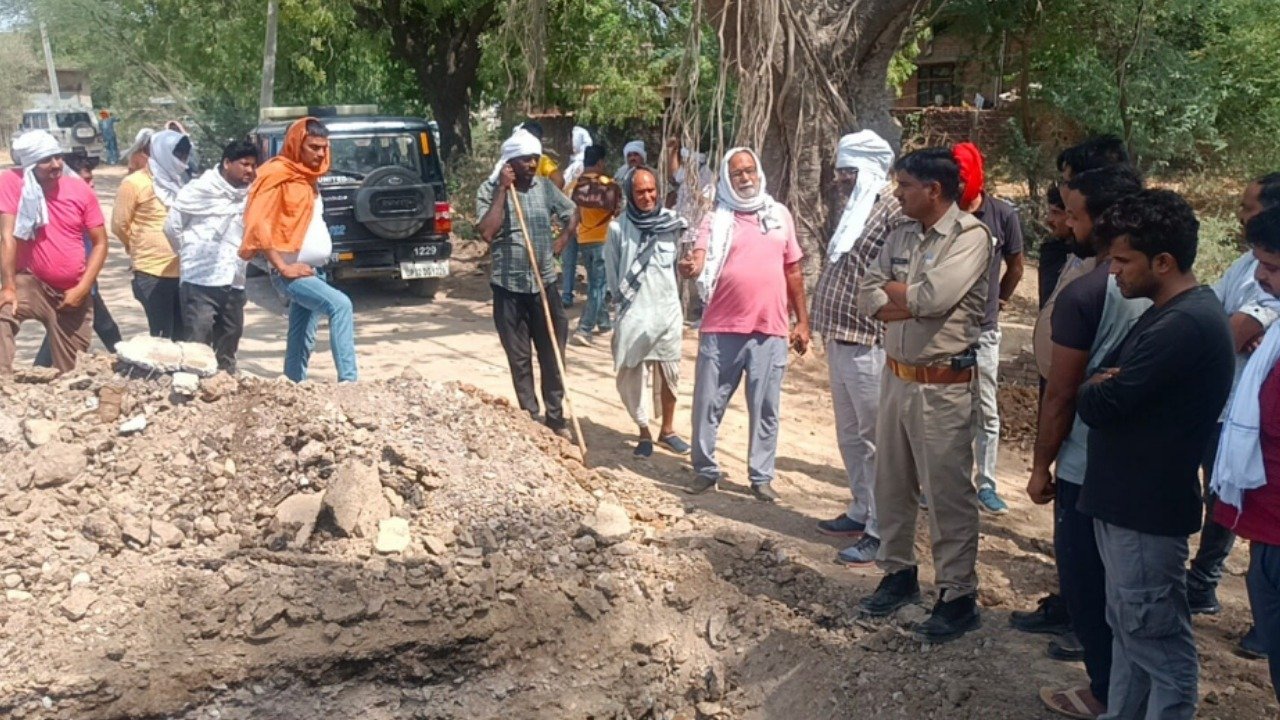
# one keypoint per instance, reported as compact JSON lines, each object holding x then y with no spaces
{"x":250,"y":548}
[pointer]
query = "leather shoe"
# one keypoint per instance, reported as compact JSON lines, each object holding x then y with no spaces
{"x":894,"y":591}
{"x":950,"y":620}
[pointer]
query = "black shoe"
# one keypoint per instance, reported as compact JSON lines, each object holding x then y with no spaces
{"x":1066,"y":648}
{"x":1203,"y":599}
{"x":1049,"y":618}
{"x":894,"y":591}
{"x":764,"y":491}
{"x":702,"y":484}
{"x":950,"y":620}
{"x":1250,"y":646}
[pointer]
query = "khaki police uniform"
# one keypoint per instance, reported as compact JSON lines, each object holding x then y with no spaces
{"x":924,"y":441}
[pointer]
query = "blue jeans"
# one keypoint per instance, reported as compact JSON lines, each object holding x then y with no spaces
{"x":569,"y":269}
{"x":311,"y":297}
{"x":595,"y":314}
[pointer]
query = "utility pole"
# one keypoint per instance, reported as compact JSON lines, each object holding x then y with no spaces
{"x":267,"y":98}
{"x":48,"y":61}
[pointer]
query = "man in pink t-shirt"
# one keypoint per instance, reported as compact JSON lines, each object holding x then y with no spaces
{"x":44,"y":274}
{"x":747,"y":263}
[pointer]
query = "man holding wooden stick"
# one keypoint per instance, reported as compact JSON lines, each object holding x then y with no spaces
{"x":512,"y":198}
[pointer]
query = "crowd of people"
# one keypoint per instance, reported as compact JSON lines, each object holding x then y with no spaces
{"x":1160,"y":397}
{"x":1158,"y":404}
{"x":189,"y":238}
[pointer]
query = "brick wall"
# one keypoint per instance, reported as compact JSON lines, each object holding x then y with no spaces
{"x":925,"y":127}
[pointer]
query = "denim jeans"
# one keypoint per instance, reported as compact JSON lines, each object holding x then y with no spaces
{"x":311,"y":297}
{"x":986,"y":416}
{"x":1264,"y":598}
{"x":595,"y":314}
{"x":569,"y":270}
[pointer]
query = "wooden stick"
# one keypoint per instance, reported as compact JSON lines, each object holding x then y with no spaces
{"x":551,"y":326}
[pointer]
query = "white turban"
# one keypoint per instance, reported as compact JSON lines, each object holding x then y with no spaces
{"x":140,"y":142}
{"x":728,"y":202}
{"x":30,"y":148}
{"x":635,"y":146}
{"x":522,"y":143}
{"x":871,"y":156}
{"x":168,"y":173}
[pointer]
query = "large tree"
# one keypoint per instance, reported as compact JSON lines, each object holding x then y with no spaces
{"x":440,"y":40}
{"x":806,"y":72}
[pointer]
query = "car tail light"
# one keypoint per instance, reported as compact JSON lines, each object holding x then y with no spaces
{"x":444,"y":218}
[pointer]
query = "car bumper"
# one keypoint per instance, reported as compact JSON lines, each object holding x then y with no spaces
{"x":408,"y":260}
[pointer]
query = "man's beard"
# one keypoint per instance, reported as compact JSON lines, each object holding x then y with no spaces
{"x":748,"y":193}
{"x":1082,"y":250}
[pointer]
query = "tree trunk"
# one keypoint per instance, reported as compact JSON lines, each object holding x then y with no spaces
{"x":443,"y":49}
{"x":827,"y":75}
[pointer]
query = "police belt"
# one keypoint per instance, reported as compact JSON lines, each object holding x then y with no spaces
{"x":930,"y":374}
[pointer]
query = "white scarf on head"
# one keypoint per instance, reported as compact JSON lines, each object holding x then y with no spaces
{"x":1238,"y":466}
{"x":635,"y":146}
{"x":29,"y":149}
{"x":872,"y":157}
{"x":581,"y":141}
{"x":168,"y":173}
{"x":729,"y":202}
{"x":521,"y":144}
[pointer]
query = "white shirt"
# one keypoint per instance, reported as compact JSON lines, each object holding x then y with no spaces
{"x":207,"y":245}
{"x":317,"y":245}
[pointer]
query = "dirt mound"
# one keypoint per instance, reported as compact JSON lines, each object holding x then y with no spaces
{"x":409,"y":549}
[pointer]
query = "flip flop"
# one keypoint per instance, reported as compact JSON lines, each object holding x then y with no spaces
{"x":673,"y":443}
{"x":1075,"y":706}
{"x":644,"y":449}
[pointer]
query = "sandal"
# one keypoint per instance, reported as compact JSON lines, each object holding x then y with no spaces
{"x":644,"y":449}
{"x":673,"y":443}
{"x":1069,"y":703}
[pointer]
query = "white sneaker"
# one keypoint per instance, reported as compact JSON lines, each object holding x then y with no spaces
{"x":583,"y":339}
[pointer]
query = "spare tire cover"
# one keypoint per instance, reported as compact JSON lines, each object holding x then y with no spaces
{"x":84,"y":132}
{"x":394,"y":203}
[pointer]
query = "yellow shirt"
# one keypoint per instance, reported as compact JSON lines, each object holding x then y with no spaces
{"x":546,"y":166}
{"x":137,"y":220}
{"x":593,"y":225}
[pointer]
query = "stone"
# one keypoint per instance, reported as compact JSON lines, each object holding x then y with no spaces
{"x":56,"y":463}
{"x":297,"y":515}
{"x":12,"y":581}
{"x":393,"y":536}
{"x":167,"y":534}
{"x":10,"y":432}
{"x":135,"y":424}
{"x":584,"y":543}
{"x":17,"y":595}
{"x":135,"y":530}
{"x":311,"y":453}
{"x":354,"y":503}
{"x":609,"y":524}
{"x":186,"y":384}
{"x":410,"y":373}
{"x":77,"y":603}
{"x":217,"y":387}
{"x":435,"y":545}
{"x":40,"y":432}
{"x":233,"y":576}
{"x":80,"y":579}
{"x":101,"y":528}
{"x":206,"y":527}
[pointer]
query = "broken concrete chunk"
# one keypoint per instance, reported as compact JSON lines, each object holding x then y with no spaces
{"x":393,"y":536}
{"x":609,"y":524}
{"x":354,"y":503}
{"x":297,"y":515}
{"x":56,"y":463}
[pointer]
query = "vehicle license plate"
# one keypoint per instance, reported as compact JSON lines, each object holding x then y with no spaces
{"x":424,"y":269}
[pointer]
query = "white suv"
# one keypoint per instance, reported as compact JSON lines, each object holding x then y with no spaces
{"x":75,"y":129}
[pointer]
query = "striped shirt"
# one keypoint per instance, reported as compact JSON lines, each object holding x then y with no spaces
{"x":510,"y":269}
{"x":835,"y":314}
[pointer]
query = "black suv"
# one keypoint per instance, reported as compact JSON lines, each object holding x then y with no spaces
{"x":384,"y":197}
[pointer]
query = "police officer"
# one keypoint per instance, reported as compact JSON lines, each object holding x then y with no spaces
{"x":929,"y":285}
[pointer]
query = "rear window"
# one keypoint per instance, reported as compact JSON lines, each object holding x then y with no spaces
{"x":71,"y":119}
{"x":35,"y":121}
{"x":359,"y":156}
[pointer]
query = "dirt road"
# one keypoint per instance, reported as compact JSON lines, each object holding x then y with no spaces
{"x":452,"y":338}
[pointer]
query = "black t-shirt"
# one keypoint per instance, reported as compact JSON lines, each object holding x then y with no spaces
{"x":1149,"y":425}
{"x":1077,"y":314}
{"x":1001,"y":218}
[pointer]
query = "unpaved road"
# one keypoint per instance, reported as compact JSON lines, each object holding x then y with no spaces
{"x":452,"y":338}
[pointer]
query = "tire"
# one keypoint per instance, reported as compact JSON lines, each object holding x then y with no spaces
{"x":424,"y":287}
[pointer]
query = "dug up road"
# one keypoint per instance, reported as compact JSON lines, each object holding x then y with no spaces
{"x":413,"y":547}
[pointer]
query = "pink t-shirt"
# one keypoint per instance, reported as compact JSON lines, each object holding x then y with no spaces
{"x":751,"y":294}
{"x":56,"y":255}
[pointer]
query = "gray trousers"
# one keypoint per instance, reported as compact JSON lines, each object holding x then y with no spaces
{"x":1154,"y":667}
{"x":986,"y":411}
{"x":855,"y":374}
{"x":723,"y":358}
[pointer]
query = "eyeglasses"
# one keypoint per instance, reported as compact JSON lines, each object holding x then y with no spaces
{"x":744,"y":173}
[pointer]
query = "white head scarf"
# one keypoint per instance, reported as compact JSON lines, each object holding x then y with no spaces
{"x":872,"y":157}
{"x":581,"y":141}
{"x":728,"y":202}
{"x":635,"y":146}
{"x":168,"y":173}
{"x":139,"y":142}
{"x":29,"y":149}
{"x":522,"y":143}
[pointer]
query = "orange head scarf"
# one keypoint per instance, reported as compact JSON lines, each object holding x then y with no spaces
{"x":282,"y":198}
{"x":969,"y":158}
